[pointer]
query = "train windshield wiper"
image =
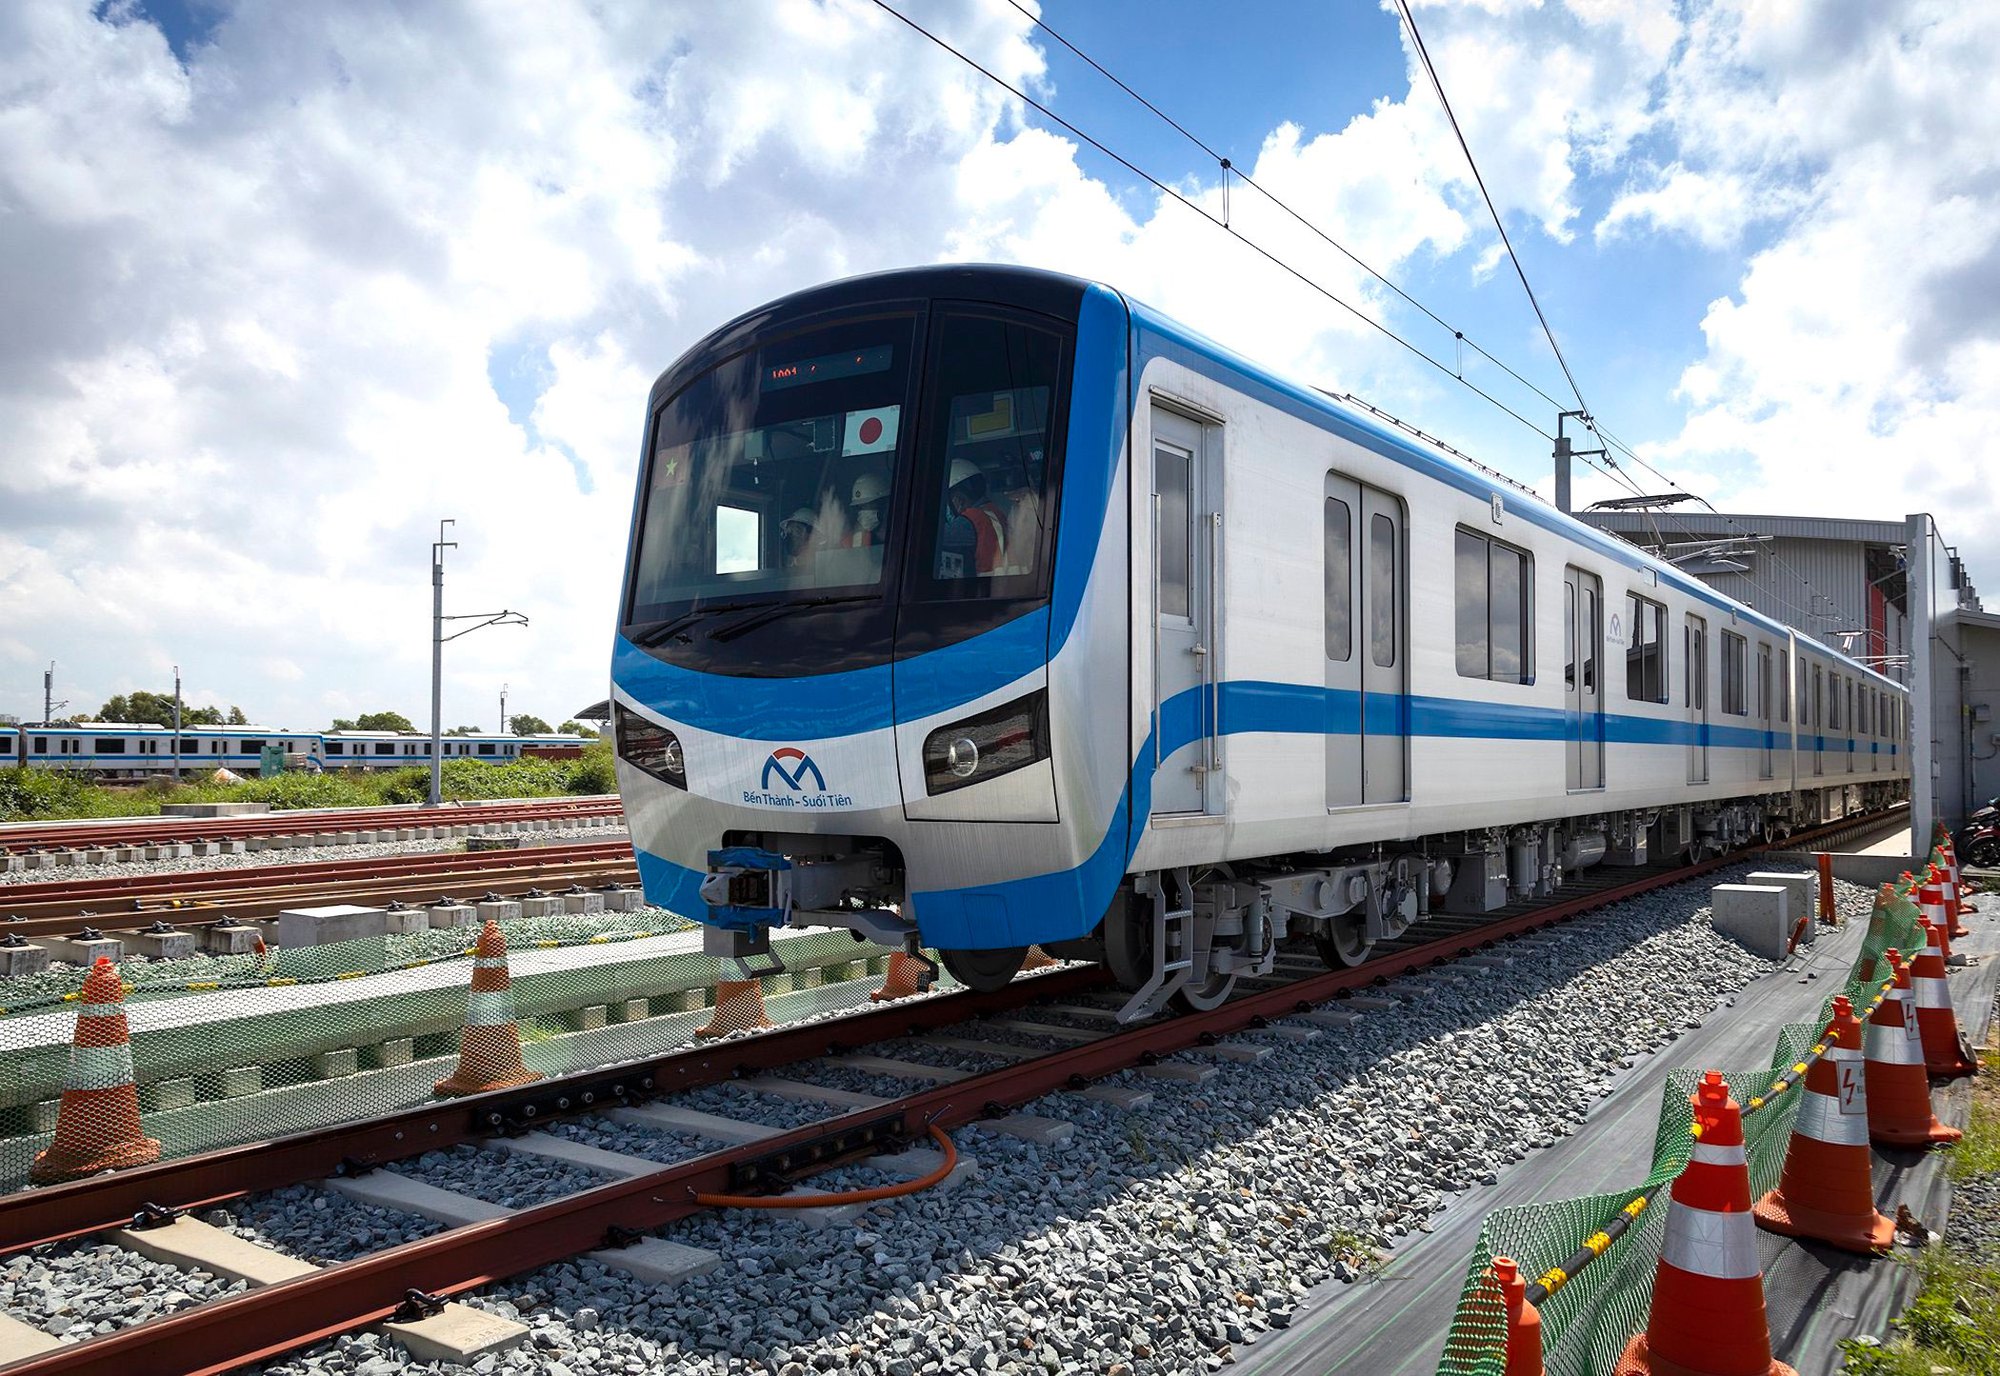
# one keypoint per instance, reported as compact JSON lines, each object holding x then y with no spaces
{"x":665,"y":631}
{"x":776,"y":610}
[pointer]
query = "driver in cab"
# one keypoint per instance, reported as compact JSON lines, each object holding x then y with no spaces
{"x":974,"y":540}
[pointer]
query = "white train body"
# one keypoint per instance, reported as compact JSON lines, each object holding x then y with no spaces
{"x":128,"y":750}
{"x":1258,"y":667}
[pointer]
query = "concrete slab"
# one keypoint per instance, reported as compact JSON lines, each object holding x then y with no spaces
{"x":1031,"y":1128}
{"x":818,"y":1094}
{"x":1179,"y":1071}
{"x":192,"y":1244}
{"x":902,"y":1070}
{"x":580,"y":1154}
{"x":658,"y":1261}
{"x":918,"y":1162}
{"x":460,"y":1334}
{"x":1243,"y":1053}
{"x":1005,"y":1051}
{"x":1118,"y":1096}
{"x":1053,"y":1031}
{"x":23,"y":960}
{"x":1287,"y":1034}
{"x":20,"y":1340}
{"x":389,"y":1190}
{"x":713,"y":1126}
{"x":1365,"y":1003}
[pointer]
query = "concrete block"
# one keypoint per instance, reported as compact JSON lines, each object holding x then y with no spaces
{"x":1179,"y":1072}
{"x":82,"y":951}
{"x":1005,"y":1051}
{"x":1119,"y":1096}
{"x":19,"y":1341}
{"x":583,"y":902}
{"x":390,"y":1190}
{"x":95,"y":855}
{"x":327,"y":838}
{"x":918,"y":1162}
{"x":632,"y":1010}
{"x":42,"y":1115}
{"x":23,"y":960}
{"x":237,"y":1082}
{"x":401,"y":921}
{"x":586,"y":1019}
{"x":1031,"y":1128}
{"x":10,"y":864}
{"x":152,"y":852}
{"x":541,"y":907}
{"x":333,"y":1065}
{"x":254,"y":844}
{"x":1055,"y":1032}
{"x":368,"y":838}
{"x":1803,"y":886}
{"x":1290,"y":1034}
{"x":1243,"y":1053}
{"x":176,"y":850}
{"x":624,"y":901}
{"x":681,"y":1000}
{"x":229,"y":939}
{"x":406,"y":833}
{"x":193,"y":1245}
{"x":347,"y":838}
{"x":459,"y":1334}
{"x":229,"y":847}
{"x":1486,"y":960}
{"x":713,"y":1126}
{"x":1363,"y":1003}
{"x":497,"y":910}
{"x":453,"y":915}
{"x":1755,"y":916}
{"x":656,"y":1261}
{"x":161,"y":1095}
{"x":902,"y":1070}
{"x":580,"y":1154}
{"x":781,"y":983}
{"x":808,"y":977}
{"x":1331,"y":1017}
{"x":321,"y":926}
{"x":843,"y":1099}
{"x":202,"y":848}
{"x":213,"y":809}
{"x":161,"y":945}
{"x":385,"y":1055}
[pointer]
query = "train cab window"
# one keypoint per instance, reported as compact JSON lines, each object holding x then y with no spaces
{"x":1495,"y":601}
{"x":1735,"y":675}
{"x":1382,"y":567}
{"x":1645,"y":650}
{"x":1339,"y":589}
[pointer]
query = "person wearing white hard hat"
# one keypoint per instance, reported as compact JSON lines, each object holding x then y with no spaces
{"x":966,"y":494}
{"x":868,"y":503}
{"x":796,"y":533}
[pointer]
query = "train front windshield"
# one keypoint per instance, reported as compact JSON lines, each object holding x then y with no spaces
{"x":804,"y":468}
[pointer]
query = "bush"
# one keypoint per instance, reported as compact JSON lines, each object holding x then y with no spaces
{"x":594,"y":771}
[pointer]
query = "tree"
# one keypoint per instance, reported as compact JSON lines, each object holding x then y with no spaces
{"x":463,"y":731}
{"x":383,"y":721}
{"x":342,"y":724}
{"x":527,"y":724}
{"x":577,"y":728}
{"x":142,"y":708}
{"x":236,"y":717}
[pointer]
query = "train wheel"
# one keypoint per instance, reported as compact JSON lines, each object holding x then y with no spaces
{"x":1346,"y":945}
{"x":985,"y":971}
{"x":1192,"y":999}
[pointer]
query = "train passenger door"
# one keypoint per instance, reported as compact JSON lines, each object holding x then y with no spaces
{"x":1696,"y":660}
{"x":1185,"y":531}
{"x":1583,"y":646}
{"x":1819,"y":720}
{"x":1366,"y":645}
{"x":1766,"y":763}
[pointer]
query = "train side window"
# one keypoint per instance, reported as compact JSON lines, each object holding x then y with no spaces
{"x":1382,"y":566}
{"x":41,"y":745}
{"x":1495,"y":601}
{"x":486,"y":747}
{"x":109,"y":745}
{"x":1339,"y":544}
{"x":1735,"y":675}
{"x":1645,"y":650}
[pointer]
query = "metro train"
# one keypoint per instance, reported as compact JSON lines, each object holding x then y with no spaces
{"x":973,"y":608}
{"x":128,"y":750}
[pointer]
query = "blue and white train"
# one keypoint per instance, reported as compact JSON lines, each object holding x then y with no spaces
{"x":128,"y":750}
{"x":974,"y":608}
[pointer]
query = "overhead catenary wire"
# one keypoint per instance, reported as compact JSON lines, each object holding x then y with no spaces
{"x":1447,"y":369}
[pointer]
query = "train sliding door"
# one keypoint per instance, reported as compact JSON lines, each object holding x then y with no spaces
{"x":1695,"y":659}
{"x":1366,"y":644}
{"x":1766,"y":763}
{"x":1184,"y":658}
{"x":1583,"y":643}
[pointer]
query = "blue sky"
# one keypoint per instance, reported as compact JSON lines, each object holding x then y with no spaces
{"x":287,"y":283}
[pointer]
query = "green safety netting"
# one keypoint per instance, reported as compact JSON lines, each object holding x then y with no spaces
{"x":1589,"y":1319}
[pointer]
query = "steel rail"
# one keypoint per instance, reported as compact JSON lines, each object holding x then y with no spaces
{"x":263,"y":1323}
{"x":18,"y":837}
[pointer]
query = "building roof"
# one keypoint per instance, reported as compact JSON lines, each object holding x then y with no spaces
{"x":1674,"y":525}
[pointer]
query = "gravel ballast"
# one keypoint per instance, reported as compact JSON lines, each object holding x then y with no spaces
{"x":1159,"y":1241}
{"x":83,"y":1289}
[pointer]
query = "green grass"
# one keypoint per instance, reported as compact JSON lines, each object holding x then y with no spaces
{"x":35,"y":795}
{"x":1952,"y":1327}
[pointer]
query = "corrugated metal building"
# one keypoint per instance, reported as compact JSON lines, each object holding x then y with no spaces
{"x":1839,"y":581}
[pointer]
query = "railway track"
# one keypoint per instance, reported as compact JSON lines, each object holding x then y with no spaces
{"x":56,"y":909}
{"x":25,"y":837}
{"x":1046,"y":1007}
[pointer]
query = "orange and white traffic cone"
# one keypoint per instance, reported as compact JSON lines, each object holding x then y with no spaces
{"x":1524,"y":1321}
{"x":1038,"y":959}
{"x":1708,"y":1293}
{"x":489,"y":1054}
{"x":97,"y":1123}
{"x":1947,"y":874}
{"x":906,"y":975}
{"x":739,"y":1007}
{"x":1828,"y":1191}
{"x":1930,"y":900}
{"x":1945,"y":1052}
{"x":1899,"y":1089}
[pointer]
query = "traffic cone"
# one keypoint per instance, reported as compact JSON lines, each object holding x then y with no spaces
{"x":489,"y":1054}
{"x":1953,"y":904}
{"x":1880,"y":934}
{"x":906,"y":975}
{"x":1945,"y":1054}
{"x":97,"y":1123}
{"x":739,"y":1007}
{"x":1524,"y":1321}
{"x":1827,"y":1191}
{"x":1708,"y":1294}
{"x":1899,"y":1089}
{"x":1038,"y":959}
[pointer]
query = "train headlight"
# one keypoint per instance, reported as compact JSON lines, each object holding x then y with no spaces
{"x":649,"y":746}
{"x":998,"y":741}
